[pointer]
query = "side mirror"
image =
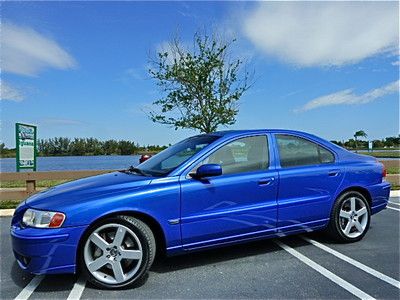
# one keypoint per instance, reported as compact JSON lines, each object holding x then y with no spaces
{"x":208,"y":170}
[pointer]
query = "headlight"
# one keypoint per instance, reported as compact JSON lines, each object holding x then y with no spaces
{"x":43,"y":219}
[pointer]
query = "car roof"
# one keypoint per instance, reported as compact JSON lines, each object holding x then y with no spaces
{"x":232,"y":133}
{"x":250,"y":131}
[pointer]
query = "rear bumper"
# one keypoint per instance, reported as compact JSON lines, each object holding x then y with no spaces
{"x":380,"y":194}
{"x":46,"y":251}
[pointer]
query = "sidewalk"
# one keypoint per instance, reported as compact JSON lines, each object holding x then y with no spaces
{"x":10,"y":212}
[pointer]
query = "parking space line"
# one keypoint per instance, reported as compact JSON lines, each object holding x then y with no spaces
{"x":353,"y":262}
{"x":395,"y":203}
{"x":393,"y":208}
{"x":30,"y":288}
{"x":325,"y":272}
{"x":77,"y":290}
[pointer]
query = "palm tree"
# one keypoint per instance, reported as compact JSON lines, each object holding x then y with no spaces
{"x":360,"y":133}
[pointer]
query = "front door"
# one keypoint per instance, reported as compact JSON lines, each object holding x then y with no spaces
{"x":241,"y":203}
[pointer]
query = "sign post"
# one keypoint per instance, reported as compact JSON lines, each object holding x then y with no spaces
{"x":25,"y":146}
{"x":369,"y":146}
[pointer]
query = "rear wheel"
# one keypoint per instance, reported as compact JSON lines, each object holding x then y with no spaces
{"x":118,"y":252}
{"x":350,"y":217}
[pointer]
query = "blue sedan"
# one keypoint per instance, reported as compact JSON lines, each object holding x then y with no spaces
{"x":206,"y":191}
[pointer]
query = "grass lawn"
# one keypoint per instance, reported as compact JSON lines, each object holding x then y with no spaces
{"x":4,"y":204}
{"x":393,"y":170}
{"x":394,"y":154}
{"x":21,"y":183}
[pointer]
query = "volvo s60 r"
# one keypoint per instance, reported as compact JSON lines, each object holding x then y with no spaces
{"x":206,"y":191}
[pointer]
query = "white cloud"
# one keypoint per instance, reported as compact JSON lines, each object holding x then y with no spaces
{"x":347,"y":97}
{"x":323,"y":33}
{"x":27,"y":52}
{"x":8,"y":92}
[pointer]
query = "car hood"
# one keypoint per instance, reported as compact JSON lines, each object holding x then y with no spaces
{"x":89,"y":188}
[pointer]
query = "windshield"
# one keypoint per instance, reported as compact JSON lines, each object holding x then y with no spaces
{"x":169,"y":159}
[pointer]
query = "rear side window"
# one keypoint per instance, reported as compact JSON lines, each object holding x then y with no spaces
{"x":296,"y":151}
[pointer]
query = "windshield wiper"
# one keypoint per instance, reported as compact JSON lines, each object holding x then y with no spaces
{"x":133,"y":169}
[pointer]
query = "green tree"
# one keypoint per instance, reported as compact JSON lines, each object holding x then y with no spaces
{"x":78,"y":147}
{"x":357,"y":134}
{"x":201,"y":86}
{"x":339,"y":143}
{"x":392,"y":141}
{"x":111,"y":147}
{"x":378,"y":143}
{"x":126,"y":147}
{"x":93,"y":146}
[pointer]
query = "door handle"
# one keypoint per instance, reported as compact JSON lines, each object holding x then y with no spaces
{"x":266,"y":181}
{"x":333,"y":173}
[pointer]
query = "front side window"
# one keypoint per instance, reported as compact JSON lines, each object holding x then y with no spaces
{"x":243,"y":155}
{"x":296,"y":151}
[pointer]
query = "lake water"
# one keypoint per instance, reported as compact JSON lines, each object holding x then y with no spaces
{"x":61,"y":163}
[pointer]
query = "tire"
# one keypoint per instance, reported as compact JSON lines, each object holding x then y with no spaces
{"x":117,"y":252}
{"x":350,"y":218}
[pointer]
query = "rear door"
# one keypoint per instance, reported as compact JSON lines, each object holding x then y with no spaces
{"x":239,"y":203}
{"x":308,"y":180}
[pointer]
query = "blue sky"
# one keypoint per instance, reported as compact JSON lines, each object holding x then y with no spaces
{"x":79,"y":69}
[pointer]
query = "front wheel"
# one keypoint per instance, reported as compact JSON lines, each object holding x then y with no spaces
{"x":117,"y":252}
{"x":350,"y":217}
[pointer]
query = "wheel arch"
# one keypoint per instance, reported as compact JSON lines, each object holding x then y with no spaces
{"x":155,"y":227}
{"x":363,"y":191}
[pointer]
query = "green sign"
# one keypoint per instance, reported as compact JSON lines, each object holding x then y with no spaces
{"x":26,"y":146}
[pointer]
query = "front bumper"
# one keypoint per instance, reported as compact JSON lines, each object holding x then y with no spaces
{"x":46,"y":251}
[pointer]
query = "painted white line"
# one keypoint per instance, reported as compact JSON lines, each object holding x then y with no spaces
{"x":30,"y":288}
{"x":77,"y":290}
{"x":395,"y":203}
{"x":353,"y":262}
{"x":328,"y":274}
{"x":393,"y":208}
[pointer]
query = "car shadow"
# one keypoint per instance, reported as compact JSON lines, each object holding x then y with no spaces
{"x":163,"y":264}
{"x":56,"y":283}
{"x":213,"y":256}
{"x":19,"y":276}
{"x":226,"y":253}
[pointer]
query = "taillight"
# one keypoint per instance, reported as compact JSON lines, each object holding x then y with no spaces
{"x":384,"y":173}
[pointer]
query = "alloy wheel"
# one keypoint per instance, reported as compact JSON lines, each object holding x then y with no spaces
{"x":113,"y":253}
{"x":353,"y":217}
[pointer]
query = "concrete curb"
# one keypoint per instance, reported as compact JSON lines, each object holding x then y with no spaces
{"x":10,"y":212}
{"x":395,"y":193}
{"x":6,"y":212}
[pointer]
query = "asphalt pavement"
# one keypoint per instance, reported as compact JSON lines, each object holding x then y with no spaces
{"x":301,"y":266}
